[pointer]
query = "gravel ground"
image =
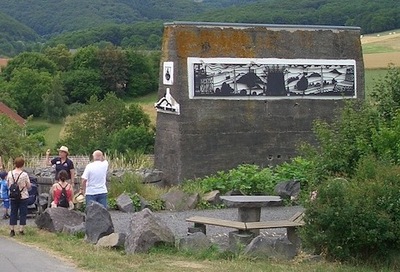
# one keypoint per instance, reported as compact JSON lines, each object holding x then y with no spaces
{"x":176,"y":221}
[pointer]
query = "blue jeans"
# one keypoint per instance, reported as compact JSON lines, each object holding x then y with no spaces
{"x":22,"y":207}
{"x":101,"y":198}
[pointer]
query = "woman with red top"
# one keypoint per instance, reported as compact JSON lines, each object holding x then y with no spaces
{"x":58,"y":199}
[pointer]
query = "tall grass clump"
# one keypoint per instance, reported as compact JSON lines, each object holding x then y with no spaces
{"x":130,"y":160}
{"x":133,"y":185}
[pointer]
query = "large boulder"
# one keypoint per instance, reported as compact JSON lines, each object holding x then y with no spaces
{"x":54,"y":219}
{"x":197,"y":241}
{"x":113,"y":240}
{"x":98,"y":222}
{"x":177,"y":200}
{"x":151,"y":176}
{"x":125,"y":203}
{"x":145,"y":231}
{"x":74,"y":230}
{"x":271,"y":247}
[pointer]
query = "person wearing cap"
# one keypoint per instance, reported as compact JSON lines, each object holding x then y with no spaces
{"x":62,"y":162}
{"x":94,"y":179}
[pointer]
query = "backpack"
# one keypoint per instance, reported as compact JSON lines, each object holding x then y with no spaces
{"x":63,"y":201}
{"x":14,"y":191}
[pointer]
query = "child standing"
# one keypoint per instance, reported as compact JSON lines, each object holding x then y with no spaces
{"x":4,"y":194}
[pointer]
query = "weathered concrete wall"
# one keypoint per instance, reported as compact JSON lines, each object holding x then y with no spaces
{"x":218,"y":134}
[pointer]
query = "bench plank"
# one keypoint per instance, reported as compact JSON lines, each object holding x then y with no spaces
{"x":273,"y":224}
{"x":297,"y":217}
{"x":217,"y":222}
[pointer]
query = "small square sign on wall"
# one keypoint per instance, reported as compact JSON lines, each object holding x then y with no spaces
{"x":168,"y":73}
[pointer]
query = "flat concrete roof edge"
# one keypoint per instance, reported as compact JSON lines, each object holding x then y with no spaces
{"x":220,"y":24}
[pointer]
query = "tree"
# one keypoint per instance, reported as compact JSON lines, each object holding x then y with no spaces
{"x":95,"y":127}
{"x":81,"y":84}
{"x":86,"y":58}
{"x":142,"y":78}
{"x":60,"y":55}
{"x":27,"y":87}
{"x":113,"y":69}
{"x":29,"y":60}
{"x":55,"y":108}
{"x":13,"y":141}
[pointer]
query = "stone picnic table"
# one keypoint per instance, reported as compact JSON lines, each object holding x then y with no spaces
{"x":249,"y":207}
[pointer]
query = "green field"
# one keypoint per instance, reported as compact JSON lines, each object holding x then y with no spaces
{"x":377,"y":48}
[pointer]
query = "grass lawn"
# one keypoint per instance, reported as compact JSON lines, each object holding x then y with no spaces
{"x":51,"y":134}
{"x":88,"y":257}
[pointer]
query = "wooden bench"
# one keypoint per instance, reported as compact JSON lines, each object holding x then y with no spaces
{"x":200,"y":223}
{"x":291,"y":224}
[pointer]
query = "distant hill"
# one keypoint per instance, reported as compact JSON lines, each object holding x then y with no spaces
{"x":138,"y":23}
{"x":14,"y":35}
{"x":371,"y":16}
{"x":50,"y":17}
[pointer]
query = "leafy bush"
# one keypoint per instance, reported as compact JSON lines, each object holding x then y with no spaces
{"x":246,"y":178}
{"x":299,"y":169}
{"x":356,"y":219}
{"x":252,"y":180}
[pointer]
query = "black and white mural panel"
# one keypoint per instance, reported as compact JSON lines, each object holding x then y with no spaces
{"x":271,"y":78}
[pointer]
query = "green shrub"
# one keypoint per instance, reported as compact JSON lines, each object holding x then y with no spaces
{"x":247,"y":179}
{"x":299,"y":169}
{"x":251,"y":179}
{"x":356,"y":219}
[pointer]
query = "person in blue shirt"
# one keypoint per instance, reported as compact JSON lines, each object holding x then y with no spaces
{"x":4,"y":194}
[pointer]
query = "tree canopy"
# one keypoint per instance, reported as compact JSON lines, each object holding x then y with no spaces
{"x":109,"y":125}
{"x":33,"y":83}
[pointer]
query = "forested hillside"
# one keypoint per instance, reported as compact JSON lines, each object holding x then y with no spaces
{"x":138,"y":23}
{"x":13,"y":35}
{"x":371,"y":16}
{"x":49,"y":17}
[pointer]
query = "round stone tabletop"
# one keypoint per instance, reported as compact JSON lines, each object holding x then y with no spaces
{"x":251,"y":201}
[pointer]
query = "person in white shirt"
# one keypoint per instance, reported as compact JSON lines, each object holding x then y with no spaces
{"x":93,"y":184}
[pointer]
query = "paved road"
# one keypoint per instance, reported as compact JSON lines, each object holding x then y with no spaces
{"x":16,"y":257}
